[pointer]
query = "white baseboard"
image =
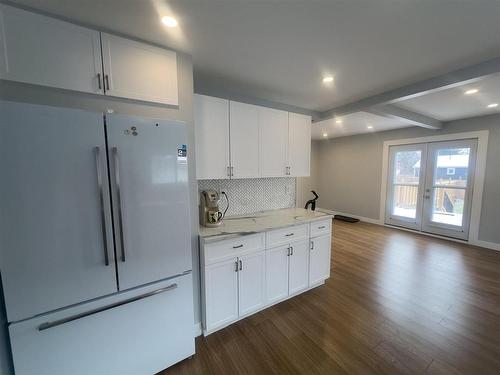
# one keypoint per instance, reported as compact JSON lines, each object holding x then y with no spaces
{"x":197,"y":329}
{"x":361,"y":218}
{"x":479,"y":243}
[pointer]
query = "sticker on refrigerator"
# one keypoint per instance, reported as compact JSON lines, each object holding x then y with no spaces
{"x":182,"y":153}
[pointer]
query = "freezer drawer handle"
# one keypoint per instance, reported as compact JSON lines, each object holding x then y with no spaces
{"x":101,"y":201}
{"x":119,"y":200}
{"x":47,"y":325}
{"x":322,"y":227}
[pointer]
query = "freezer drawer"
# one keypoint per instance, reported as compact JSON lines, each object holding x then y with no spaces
{"x":139,"y":332}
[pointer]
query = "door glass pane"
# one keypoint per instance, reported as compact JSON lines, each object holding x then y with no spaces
{"x":448,"y":206}
{"x":407,"y":167}
{"x":405,"y":201}
{"x":452,"y":165}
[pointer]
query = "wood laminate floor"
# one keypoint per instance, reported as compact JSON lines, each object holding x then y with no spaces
{"x":397,"y":303}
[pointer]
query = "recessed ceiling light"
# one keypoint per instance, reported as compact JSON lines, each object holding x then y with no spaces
{"x":327,"y":79}
{"x":325,"y":134}
{"x":492,"y":105}
{"x":370,"y":127}
{"x":169,"y":21}
{"x":338,"y":121}
{"x":471,"y":91}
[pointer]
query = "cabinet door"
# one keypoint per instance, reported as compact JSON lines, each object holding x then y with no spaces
{"x":251,"y":282}
{"x":299,"y":267}
{"x":221,"y":293}
{"x":55,"y":231}
{"x":244,"y":139}
{"x":211,"y":119}
{"x":273,"y":142}
{"x":44,"y":51}
{"x":299,"y":144}
{"x":319,"y":259}
{"x":277,"y":274}
{"x":139,"y":71}
{"x":150,"y":196}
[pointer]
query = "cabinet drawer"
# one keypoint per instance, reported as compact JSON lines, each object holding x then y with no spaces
{"x":219,"y":251}
{"x":321,"y":227}
{"x":286,"y":235}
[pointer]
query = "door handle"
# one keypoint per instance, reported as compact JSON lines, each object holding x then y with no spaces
{"x":288,"y":251}
{"x":47,"y":325}
{"x":291,"y":250}
{"x":236,"y":266}
{"x":289,"y":234}
{"x":241,"y":265}
{"x":119,"y":200}
{"x":99,"y":81}
{"x":312,"y":245}
{"x":97,"y":152}
{"x":238,"y":246}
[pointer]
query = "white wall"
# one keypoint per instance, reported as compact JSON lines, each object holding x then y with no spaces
{"x":350,"y":171}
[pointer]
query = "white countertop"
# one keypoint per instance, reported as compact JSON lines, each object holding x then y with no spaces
{"x":259,"y":222}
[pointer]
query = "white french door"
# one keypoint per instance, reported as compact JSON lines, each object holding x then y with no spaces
{"x":430,"y":187}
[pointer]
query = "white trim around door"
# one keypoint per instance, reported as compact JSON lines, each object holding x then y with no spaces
{"x":480,"y":167}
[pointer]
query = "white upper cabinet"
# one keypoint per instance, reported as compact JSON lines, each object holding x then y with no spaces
{"x":44,"y":51}
{"x":244,"y":128}
{"x":273,"y":142}
{"x":211,"y":118}
{"x":139,"y":71}
{"x":299,"y":144}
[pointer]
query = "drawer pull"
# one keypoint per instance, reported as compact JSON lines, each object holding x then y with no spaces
{"x":322,"y":227}
{"x":289,"y":234}
{"x":47,"y":325}
{"x":237,"y":246}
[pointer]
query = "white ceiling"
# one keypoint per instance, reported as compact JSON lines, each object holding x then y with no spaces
{"x":355,"y":123}
{"x":452,"y":103}
{"x":279,"y":49}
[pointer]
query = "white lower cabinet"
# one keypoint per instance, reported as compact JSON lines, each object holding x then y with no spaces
{"x":241,"y":275}
{"x":251,"y":282}
{"x":277,"y":273}
{"x":221,"y":293}
{"x":298,"y":279}
{"x":319,"y":259}
{"x":106,"y":336}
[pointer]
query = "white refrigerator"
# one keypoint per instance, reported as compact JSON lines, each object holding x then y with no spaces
{"x":95,"y":254}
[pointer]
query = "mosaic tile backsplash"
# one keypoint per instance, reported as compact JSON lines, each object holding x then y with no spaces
{"x":251,"y":195}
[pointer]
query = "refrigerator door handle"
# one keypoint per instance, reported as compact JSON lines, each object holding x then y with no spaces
{"x":119,"y":200}
{"x":47,"y":325}
{"x":97,"y":151}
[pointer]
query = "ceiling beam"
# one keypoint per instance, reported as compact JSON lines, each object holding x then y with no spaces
{"x":458,"y":77}
{"x":416,"y":119}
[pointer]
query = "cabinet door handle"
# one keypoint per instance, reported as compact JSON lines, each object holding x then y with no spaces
{"x":291,"y":250}
{"x":236,"y":266}
{"x":99,"y":81}
{"x":241,"y":265}
{"x":228,"y":171}
{"x":232,"y":171}
{"x":322,"y":227}
{"x":106,"y":79}
{"x":312,"y":245}
{"x":289,"y":234}
{"x":238,"y":246}
{"x":97,"y":151}
{"x":288,"y":251}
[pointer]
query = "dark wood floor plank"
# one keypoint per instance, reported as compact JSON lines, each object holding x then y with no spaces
{"x":397,"y":303}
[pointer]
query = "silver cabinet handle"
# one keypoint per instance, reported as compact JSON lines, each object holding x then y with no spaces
{"x":106,"y":80}
{"x":312,"y":245}
{"x":99,"y":81}
{"x":288,"y":252}
{"x":322,"y":227}
{"x":229,"y":171}
{"x":47,"y":325}
{"x":241,"y":265}
{"x":236,"y":266}
{"x":119,"y":200}
{"x":232,"y":171}
{"x":289,"y":234}
{"x":97,"y":152}
{"x":238,"y":246}
{"x":291,"y":250}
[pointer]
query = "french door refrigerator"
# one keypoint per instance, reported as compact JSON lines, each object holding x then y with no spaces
{"x":95,"y":255}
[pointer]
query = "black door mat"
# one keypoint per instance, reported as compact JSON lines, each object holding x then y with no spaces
{"x":346,"y":218}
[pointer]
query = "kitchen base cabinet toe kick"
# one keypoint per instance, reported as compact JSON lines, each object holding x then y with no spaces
{"x":243,"y":275}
